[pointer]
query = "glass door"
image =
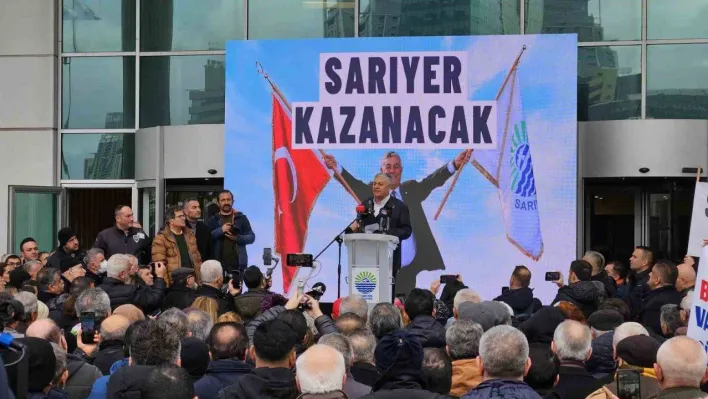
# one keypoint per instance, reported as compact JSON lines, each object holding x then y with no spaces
{"x":35,"y":212}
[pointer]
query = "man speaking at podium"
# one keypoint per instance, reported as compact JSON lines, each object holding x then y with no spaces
{"x":384,"y":214}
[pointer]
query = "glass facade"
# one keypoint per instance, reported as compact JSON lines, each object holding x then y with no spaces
{"x":98,"y":156}
{"x":178,"y":56}
{"x":98,"y":93}
{"x":178,"y":25}
{"x":182,"y":90}
{"x":98,"y":25}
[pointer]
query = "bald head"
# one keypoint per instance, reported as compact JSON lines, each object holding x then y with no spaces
{"x":114,"y":327}
{"x":45,"y":329}
{"x":320,"y":370}
{"x":686,"y":277}
{"x":680,"y":362}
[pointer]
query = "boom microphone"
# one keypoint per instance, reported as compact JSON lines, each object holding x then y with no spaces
{"x":8,"y":341}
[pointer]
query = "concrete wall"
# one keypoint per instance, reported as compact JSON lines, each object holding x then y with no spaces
{"x":190,"y":151}
{"x":28,"y":71}
{"x":621,"y":148}
{"x":147,"y":144}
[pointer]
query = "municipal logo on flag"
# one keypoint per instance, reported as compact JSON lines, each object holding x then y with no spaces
{"x":365,"y":282}
{"x":522,"y":180}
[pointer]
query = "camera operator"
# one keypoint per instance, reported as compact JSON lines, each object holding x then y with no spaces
{"x":248,"y":305}
{"x":231,"y":232}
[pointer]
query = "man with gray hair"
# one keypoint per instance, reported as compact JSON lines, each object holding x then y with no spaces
{"x":32,"y":268}
{"x":503,"y":362}
{"x":363,"y":364}
{"x":148,"y":298}
{"x":462,"y":339}
{"x":94,"y":260}
{"x":321,"y":373}
{"x":212,"y":278}
{"x":355,"y":304}
{"x":29,"y":303}
{"x":199,"y":324}
{"x":389,"y":215}
{"x":176,"y":320}
{"x":384,"y":318}
{"x":670,"y":320}
{"x":352,"y":388}
{"x":572,"y":345}
{"x":680,"y":367}
{"x":597,"y":261}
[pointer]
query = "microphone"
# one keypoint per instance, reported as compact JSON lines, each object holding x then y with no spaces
{"x":360,"y":209}
{"x":8,"y":341}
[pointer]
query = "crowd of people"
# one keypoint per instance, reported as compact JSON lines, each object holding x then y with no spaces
{"x":172,"y":320}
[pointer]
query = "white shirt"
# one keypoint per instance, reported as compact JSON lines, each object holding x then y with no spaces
{"x":379,"y":206}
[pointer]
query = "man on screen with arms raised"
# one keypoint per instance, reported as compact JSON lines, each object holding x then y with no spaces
{"x":419,"y":251}
{"x":386,"y":206}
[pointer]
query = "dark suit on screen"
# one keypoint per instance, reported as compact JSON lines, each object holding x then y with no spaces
{"x":427,"y":254}
{"x":399,"y":225}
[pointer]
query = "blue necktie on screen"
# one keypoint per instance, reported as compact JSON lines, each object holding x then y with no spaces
{"x":408,"y":245}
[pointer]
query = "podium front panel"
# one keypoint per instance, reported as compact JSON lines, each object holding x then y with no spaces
{"x":370,"y":266}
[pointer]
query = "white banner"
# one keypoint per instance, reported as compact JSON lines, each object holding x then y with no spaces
{"x":699,"y":220}
{"x":698,"y":322}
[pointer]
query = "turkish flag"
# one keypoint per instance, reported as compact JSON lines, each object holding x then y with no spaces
{"x":298,"y":179}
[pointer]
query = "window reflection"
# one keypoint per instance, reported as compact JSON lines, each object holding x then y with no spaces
{"x":97,"y":156}
{"x":386,"y":18}
{"x":290,"y":19}
{"x":182,"y":90}
{"x":98,"y":93}
{"x":190,"y":25}
{"x":98,"y":25}
{"x":677,"y":81}
{"x":667,"y":19}
{"x":609,"y":83}
{"x":592,"y":20}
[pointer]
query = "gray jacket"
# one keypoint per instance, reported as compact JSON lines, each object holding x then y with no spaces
{"x":81,"y":377}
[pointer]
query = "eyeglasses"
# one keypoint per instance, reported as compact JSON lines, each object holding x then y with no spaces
{"x":13,"y":263}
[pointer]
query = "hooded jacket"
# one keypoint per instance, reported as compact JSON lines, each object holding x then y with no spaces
{"x":219,"y":375}
{"x":429,"y":332}
{"x":502,"y":388}
{"x":586,"y":295}
{"x":276,"y":383}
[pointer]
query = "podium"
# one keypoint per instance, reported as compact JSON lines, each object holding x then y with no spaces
{"x":371,"y":266}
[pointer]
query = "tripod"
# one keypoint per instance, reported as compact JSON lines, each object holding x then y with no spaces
{"x":338,"y":240}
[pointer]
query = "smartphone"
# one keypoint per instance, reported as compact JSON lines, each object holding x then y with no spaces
{"x":88,"y":327}
{"x":267,"y":256}
{"x":448,"y":278}
{"x":236,"y":277}
{"x":553,"y":276}
{"x":505,"y":290}
{"x":628,"y":384}
{"x":302,"y":260}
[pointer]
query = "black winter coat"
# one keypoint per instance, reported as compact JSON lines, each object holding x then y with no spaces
{"x":179,"y":296}
{"x":149,"y":299}
{"x":225,"y":301}
{"x":429,"y":332}
{"x":276,"y":383}
{"x":219,"y":375}
{"x":586,"y":295}
{"x":650,"y":312}
{"x":501,"y":388}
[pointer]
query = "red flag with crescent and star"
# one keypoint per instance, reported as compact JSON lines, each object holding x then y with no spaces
{"x":299,"y":176}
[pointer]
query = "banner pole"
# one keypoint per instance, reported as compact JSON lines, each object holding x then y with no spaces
{"x":514,"y":65}
{"x":276,"y":90}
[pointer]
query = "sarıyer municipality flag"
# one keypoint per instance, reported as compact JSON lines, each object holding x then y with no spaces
{"x":510,"y":168}
{"x":298,"y":179}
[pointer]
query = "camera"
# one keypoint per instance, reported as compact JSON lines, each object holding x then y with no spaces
{"x":212,"y":171}
{"x":299,"y":260}
{"x":234,"y":230}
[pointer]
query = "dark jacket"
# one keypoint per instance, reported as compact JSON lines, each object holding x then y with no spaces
{"x":681,"y":393}
{"x":219,"y":375}
{"x":365,"y":373}
{"x":225,"y":301}
{"x":650,"y":312}
{"x":52,"y":394}
{"x":354,"y":389}
{"x":147,"y":298}
{"x":133,"y":242}
{"x":586,"y":295}
{"x":401,"y":387}
{"x":575,"y":382}
{"x":97,"y":278}
{"x":502,"y":388}
{"x":520,"y":300}
{"x":248,"y":305}
{"x":429,"y":332}
{"x":58,"y":256}
{"x":204,"y":240}
{"x":608,"y":282}
{"x":179,"y":296}
{"x":542,"y":325}
{"x":246,"y":237}
{"x":602,"y":364}
{"x":277,"y":383}
{"x":637,"y":287}
{"x":66,"y":323}
{"x":108,"y":353}
{"x":127,"y":382}
{"x":46,"y":297}
{"x":81,"y":377}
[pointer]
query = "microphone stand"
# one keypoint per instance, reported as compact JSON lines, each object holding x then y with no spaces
{"x":338,"y":239}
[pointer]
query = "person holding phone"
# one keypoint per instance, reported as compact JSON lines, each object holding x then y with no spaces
{"x":231,"y":232}
{"x":519,"y":295}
